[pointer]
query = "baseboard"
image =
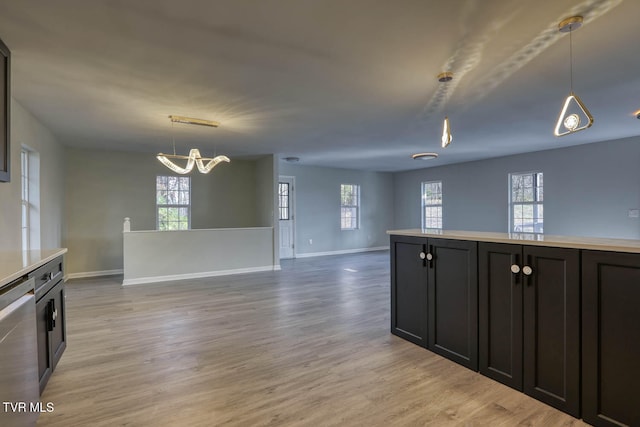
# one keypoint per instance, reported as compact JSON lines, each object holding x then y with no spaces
{"x":199,"y":275}
{"x":342,"y":252}
{"x":86,"y":274}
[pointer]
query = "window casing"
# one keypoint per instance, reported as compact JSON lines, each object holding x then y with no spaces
{"x":526,"y":196}
{"x":432,"y":204}
{"x":30,"y":198}
{"x":349,"y":206}
{"x":173,"y":202}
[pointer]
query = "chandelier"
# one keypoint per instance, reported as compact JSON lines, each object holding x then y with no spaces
{"x":204,"y":164}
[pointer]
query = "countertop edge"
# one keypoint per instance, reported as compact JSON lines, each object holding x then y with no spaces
{"x":29,"y":268}
{"x":571,"y":242}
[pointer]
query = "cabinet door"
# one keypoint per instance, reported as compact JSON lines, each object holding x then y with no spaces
{"x":409,"y":289}
{"x":44,"y":325}
{"x":552,"y":326}
{"x":500,"y":313}
{"x":58,"y":339}
{"x":610,"y":338}
{"x":453,"y":300}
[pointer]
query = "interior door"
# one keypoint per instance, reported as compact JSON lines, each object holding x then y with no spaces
{"x":286,"y":215}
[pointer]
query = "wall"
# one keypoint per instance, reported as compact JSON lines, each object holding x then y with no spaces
{"x":27,"y":130}
{"x":588,"y":190}
{"x":150,"y":256}
{"x":267,"y":199}
{"x":104,"y":187}
{"x":317,"y":210}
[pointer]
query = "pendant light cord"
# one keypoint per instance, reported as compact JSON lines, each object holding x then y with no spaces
{"x":173,"y":137}
{"x":571,"y":58}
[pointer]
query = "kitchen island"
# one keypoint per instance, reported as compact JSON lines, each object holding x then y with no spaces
{"x":555,"y":317}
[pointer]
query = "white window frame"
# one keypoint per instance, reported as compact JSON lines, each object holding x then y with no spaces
{"x":346,"y":207}
{"x":160,"y":226}
{"x":430,"y":203}
{"x":30,"y":198}
{"x":535,"y":200}
{"x":24,"y":199}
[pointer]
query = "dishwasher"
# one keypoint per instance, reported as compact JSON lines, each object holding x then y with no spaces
{"x":19,"y":391}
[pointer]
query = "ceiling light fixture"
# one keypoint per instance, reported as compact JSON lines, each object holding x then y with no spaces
{"x":194,"y":157}
{"x":192,"y":121}
{"x":424,"y":156}
{"x":446,"y":77}
{"x":574,"y":115}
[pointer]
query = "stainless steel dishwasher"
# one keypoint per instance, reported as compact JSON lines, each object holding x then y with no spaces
{"x":18,"y":355}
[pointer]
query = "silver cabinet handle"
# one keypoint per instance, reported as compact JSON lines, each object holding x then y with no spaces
{"x":527,"y":270}
{"x":429,"y":257}
{"x":515,"y":269}
{"x":423,"y":255}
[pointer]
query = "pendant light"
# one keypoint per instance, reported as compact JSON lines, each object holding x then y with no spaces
{"x":446,"y":139}
{"x":194,"y":157}
{"x":574,"y":115}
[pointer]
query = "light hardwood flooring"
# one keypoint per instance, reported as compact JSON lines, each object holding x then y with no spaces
{"x":306,"y":346}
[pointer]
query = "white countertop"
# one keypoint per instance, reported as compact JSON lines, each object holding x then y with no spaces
{"x":15,"y":264}
{"x":594,"y":243}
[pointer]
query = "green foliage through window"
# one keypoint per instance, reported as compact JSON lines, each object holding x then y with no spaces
{"x":173,"y":202}
{"x":527,"y":196}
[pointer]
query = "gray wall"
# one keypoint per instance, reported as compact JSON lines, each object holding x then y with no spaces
{"x":27,"y":130}
{"x":317,"y":192}
{"x":265,"y":190}
{"x":103,"y":187}
{"x":588,"y":190}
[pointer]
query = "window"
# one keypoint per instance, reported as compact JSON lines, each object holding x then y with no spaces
{"x":283,"y":200}
{"x":173,"y":202}
{"x":24,"y":176}
{"x":526,"y":211}
{"x":432,"y":204}
{"x":349,"y":206}
{"x":30,"y":198}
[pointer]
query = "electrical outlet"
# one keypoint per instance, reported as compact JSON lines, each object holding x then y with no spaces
{"x":311,"y":241}
{"x":634,"y":213}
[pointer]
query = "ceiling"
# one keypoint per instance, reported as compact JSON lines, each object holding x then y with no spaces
{"x":341,"y":83}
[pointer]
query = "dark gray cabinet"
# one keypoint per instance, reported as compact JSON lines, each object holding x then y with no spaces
{"x":560,"y":324}
{"x":452,"y":284}
{"x":434,"y":296}
{"x":409,"y":289}
{"x":529,"y":317}
{"x":610,"y":338}
{"x":50,"y":318}
{"x":500,"y":313}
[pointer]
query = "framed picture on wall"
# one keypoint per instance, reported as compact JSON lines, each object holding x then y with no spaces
{"x":5,"y":101}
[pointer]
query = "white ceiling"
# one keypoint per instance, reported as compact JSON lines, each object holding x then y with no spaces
{"x":343,"y":83}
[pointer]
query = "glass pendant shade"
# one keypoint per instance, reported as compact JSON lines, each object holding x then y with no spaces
{"x":446,"y":133}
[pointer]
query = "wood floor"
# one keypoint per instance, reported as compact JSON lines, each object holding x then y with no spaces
{"x":305,"y":346}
